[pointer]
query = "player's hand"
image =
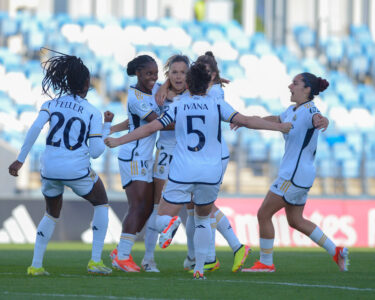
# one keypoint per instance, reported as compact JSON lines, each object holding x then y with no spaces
{"x":112,"y":142}
{"x":320,"y":122}
{"x":14,"y":168}
{"x":234,"y":127}
{"x":286,"y":127}
{"x":108,"y":116}
{"x":225,"y":81}
{"x":161,"y":95}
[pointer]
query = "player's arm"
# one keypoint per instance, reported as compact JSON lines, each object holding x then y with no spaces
{"x":259,"y":123}
{"x":98,"y":133}
{"x":275,"y":119}
{"x":136,"y":134}
{"x":320,"y":122}
{"x":162,"y":93}
{"x":31,"y":136}
{"x":124,"y":125}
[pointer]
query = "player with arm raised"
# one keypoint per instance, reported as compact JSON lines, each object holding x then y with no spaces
{"x":196,"y":169}
{"x":75,"y":135}
{"x":296,"y":175}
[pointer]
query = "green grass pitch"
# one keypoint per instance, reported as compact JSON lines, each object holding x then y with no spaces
{"x":303,"y":273}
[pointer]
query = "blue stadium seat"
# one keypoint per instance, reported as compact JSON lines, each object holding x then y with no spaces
{"x":305,"y":36}
{"x":327,"y":168}
{"x":334,"y":50}
{"x":351,"y":168}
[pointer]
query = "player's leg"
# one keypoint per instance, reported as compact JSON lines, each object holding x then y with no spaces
{"x":271,"y":204}
{"x":136,"y":179}
{"x":203,"y":197}
{"x":202,"y":237}
{"x":140,"y":201}
{"x":52,"y":191}
{"x":189,"y":261}
{"x":151,"y":232}
{"x":167,"y":220}
{"x":240,"y":251}
{"x":297,"y":221}
{"x":98,"y":198}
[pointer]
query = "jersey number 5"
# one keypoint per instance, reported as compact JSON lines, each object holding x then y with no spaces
{"x":190,"y":130}
{"x":67,"y":129}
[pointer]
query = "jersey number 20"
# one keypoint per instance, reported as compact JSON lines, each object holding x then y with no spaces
{"x":67,"y":129}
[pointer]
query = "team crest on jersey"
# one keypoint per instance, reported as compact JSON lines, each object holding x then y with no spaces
{"x":145,"y":107}
{"x":295,"y":117}
{"x":161,"y":170}
{"x":143,"y":172}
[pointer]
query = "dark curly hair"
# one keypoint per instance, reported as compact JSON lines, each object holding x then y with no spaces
{"x":198,"y":78}
{"x":316,"y":84}
{"x":209,"y":59}
{"x":66,"y":74}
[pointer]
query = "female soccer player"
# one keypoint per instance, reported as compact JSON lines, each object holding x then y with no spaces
{"x":175,"y":70}
{"x":135,"y":160}
{"x":75,"y":131}
{"x":196,"y":168}
{"x":296,"y":175}
{"x":218,"y":219}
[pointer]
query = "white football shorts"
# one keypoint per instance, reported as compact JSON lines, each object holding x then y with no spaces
{"x":135,"y":170}
{"x":291,"y":194}
{"x":82,"y":186}
{"x":180,"y":193}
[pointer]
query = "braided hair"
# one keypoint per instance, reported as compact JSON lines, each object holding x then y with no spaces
{"x":66,"y":74}
{"x":316,"y":84}
{"x":138,"y":63}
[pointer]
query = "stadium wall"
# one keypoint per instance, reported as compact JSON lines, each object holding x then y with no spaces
{"x":348,"y":222}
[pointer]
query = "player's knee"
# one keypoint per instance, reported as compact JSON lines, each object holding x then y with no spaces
{"x":294,"y":223}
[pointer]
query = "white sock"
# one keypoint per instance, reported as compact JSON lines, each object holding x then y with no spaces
{"x":99,"y":231}
{"x":44,"y":232}
{"x":202,"y":238}
{"x":226,"y":230}
{"x":266,"y":251}
{"x":322,"y":240}
{"x":162,"y":222}
{"x":190,"y":229}
{"x":211,"y":249}
{"x":151,"y":235}
{"x":125,"y":245}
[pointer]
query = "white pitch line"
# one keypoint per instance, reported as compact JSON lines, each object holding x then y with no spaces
{"x":6,"y":293}
{"x":295,"y":284}
{"x":302,"y":285}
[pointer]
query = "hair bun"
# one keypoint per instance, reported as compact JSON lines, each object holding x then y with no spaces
{"x":323,"y":84}
{"x":209,"y":53}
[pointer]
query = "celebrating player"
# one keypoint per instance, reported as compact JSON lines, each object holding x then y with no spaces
{"x":196,"y":168}
{"x":75,"y":131}
{"x":135,"y":162}
{"x":296,"y":175}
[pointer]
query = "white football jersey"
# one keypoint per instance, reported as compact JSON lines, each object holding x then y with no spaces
{"x":197,"y":156}
{"x":140,"y":106}
{"x":297,"y":164}
{"x":167,"y":138}
{"x":73,"y":121}
{"x":217,"y":91}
